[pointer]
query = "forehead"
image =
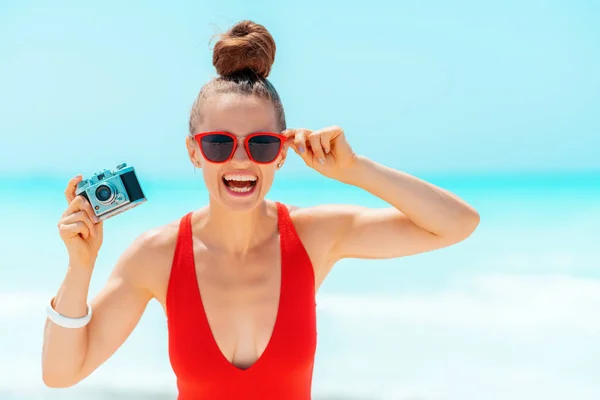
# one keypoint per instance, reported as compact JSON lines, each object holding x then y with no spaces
{"x":237,"y":113}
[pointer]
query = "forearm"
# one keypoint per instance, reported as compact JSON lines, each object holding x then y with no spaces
{"x":64,"y":348}
{"x":426,"y":205}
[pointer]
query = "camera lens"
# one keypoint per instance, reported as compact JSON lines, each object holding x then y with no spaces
{"x":103,"y":193}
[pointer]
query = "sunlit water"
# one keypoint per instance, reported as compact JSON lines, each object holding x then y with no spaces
{"x":511,"y":313}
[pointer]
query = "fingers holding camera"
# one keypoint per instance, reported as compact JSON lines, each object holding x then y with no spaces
{"x":80,"y":203}
{"x":72,"y":188}
{"x":79,"y":228}
{"x":77,"y":223}
{"x":70,"y":231}
{"x":79,"y":219}
{"x":82,"y":236}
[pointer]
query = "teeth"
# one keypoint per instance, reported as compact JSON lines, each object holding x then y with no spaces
{"x":240,"y":178}
{"x":241,"y":190}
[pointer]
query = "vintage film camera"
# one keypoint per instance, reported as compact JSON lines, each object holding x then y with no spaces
{"x":111,"y":192}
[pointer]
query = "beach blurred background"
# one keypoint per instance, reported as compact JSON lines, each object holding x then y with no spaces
{"x":497,"y":102}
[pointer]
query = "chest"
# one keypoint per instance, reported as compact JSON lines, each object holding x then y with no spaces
{"x":240,"y":298}
{"x":228,"y":313}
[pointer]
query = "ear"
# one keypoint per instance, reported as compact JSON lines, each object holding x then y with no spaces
{"x":282,"y":156}
{"x":193,"y":151}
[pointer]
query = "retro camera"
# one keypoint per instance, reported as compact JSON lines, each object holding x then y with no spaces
{"x":111,"y":192}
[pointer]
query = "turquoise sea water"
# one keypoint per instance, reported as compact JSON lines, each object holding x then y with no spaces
{"x":511,"y":313}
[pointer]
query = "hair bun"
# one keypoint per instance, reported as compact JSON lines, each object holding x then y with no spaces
{"x":246,"y":46}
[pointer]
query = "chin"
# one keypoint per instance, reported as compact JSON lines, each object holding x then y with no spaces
{"x":240,"y":206}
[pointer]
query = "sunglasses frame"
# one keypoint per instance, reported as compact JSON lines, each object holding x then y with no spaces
{"x":236,"y":140}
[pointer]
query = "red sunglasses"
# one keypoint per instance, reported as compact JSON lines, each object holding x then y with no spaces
{"x":261,"y":147}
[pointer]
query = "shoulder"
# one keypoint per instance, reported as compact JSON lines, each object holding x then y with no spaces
{"x":318,"y":228}
{"x":326,"y":216}
{"x":155,"y":242}
{"x":146,"y":262}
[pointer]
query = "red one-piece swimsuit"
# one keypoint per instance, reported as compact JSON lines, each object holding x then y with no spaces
{"x":284,"y":370}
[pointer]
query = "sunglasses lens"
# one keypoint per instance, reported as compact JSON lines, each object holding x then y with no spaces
{"x":217,"y":148}
{"x":264,"y":148}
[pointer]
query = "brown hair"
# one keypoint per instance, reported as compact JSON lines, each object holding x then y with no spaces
{"x":243,"y":57}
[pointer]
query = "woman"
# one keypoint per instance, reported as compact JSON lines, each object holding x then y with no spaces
{"x":237,"y":278}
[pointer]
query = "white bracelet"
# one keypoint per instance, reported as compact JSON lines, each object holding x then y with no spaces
{"x":67,"y":322}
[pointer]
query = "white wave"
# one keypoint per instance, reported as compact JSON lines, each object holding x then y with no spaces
{"x":496,"y":302}
{"x":493,"y":336}
{"x":23,"y":302}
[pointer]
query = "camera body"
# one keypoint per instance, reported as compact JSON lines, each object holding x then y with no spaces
{"x":111,"y":192}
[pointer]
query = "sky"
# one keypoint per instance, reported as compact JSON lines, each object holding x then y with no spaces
{"x":427,"y":87}
{"x":422,"y":86}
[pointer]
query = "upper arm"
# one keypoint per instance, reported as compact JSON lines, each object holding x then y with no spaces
{"x":347,"y":231}
{"x":119,"y":305}
{"x":371,"y":233}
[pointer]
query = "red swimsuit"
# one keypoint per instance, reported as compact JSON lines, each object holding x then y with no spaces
{"x":284,"y":371}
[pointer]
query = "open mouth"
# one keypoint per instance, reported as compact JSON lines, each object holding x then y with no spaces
{"x":240,"y":183}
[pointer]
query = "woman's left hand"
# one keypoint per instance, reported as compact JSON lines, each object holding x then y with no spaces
{"x":325,"y":150}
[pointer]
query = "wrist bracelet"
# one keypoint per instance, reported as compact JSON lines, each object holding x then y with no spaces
{"x":67,"y":322}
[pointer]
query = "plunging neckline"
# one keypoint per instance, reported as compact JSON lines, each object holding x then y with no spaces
{"x":204,"y":316}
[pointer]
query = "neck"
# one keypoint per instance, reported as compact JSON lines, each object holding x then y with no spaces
{"x":237,"y":232}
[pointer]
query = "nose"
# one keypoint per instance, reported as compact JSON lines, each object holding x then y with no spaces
{"x":240,"y":156}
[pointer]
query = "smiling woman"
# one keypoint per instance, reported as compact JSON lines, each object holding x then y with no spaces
{"x":237,"y":278}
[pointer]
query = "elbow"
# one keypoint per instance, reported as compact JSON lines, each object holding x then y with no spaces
{"x":462,"y":228}
{"x":468,"y":225}
{"x":56,"y":381}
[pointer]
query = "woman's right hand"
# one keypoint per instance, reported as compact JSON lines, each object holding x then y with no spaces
{"x":79,"y":228}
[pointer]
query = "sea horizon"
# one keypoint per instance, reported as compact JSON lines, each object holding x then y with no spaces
{"x":524,"y":287}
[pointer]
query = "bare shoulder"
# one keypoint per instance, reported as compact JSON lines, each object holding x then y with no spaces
{"x":322,"y":213}
{"x":323,"y":219}
{"x":318,"y":227}
{"x":146,"y":263}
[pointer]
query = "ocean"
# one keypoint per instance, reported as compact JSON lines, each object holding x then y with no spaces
{"x":510,"y":313}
